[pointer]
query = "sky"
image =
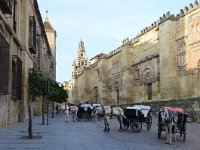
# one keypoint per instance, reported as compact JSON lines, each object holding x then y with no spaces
{"x":101,"y":24}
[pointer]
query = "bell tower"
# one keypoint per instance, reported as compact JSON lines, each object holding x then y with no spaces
{"x":51,"y":35}
{"x":80,"y":61}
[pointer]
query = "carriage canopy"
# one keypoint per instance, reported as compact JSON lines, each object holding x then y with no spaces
{"x":175,"y":110}
{"x":144,"y":109}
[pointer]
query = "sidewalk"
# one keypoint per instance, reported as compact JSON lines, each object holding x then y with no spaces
{"x":58,"y":135}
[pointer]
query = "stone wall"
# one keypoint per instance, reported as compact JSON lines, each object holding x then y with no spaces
{"x":37,"y":106}
{"x":161,"y":63}
{"x":3,"y":110}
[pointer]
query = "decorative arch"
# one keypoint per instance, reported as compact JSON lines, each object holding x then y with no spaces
{"x":147,"y":76}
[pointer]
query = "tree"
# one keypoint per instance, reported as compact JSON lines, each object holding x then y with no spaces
{"x":37,"y":86}
{"x":57,"y":94}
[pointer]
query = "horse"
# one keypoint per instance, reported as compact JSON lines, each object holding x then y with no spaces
{"x":107,"y":113}
{"x":167,"y":122}
{"x":71,"y":109}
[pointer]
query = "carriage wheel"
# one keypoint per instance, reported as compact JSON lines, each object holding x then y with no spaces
{"x":149,"y":122}
{"x":87,"y":117}
{"x":136,"y":126}
{"x":159,"y":131}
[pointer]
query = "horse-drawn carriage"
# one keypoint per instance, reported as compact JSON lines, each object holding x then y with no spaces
{"x":137,"y":115}
{"x":172,"y":120}
{"x":85,"y":111}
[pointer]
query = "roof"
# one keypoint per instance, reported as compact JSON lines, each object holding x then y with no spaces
{"x":47,"y":25}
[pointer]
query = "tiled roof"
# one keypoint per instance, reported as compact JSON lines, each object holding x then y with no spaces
{"x":48,"y":26}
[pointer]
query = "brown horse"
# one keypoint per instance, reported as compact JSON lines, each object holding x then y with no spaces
{"x":108,"y":112}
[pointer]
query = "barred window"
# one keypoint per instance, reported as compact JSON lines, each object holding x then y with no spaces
{"x":32,"y":35}
{"x":182,"y":55}
{"x":6,"y":6}
{"x":95,"y":91}
{"x":4,"y":66}
{"x":182,"y":59}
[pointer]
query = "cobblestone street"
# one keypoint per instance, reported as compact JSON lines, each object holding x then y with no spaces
{"x":61,"y":135}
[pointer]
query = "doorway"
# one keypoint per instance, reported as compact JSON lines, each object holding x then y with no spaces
{"x":149,"y":91}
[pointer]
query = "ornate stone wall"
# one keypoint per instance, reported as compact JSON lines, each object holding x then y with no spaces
{"x":161,"y":64}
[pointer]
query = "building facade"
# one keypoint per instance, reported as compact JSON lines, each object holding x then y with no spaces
{"x":45,"y":60}
{"x":23,"y":45}
{"x":161,"y":64}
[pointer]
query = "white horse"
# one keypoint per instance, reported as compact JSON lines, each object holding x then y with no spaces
{"x":71,"y":110}
{"x":167,"y":123}
{"x":107,"y":113}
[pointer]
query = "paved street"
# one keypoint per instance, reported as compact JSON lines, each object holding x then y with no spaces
{"x":61,"y":135}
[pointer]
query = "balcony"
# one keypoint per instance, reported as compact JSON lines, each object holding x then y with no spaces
{"x":6,"y":6}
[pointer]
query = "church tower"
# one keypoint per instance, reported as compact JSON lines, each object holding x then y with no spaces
{"x":81,"y":61}
{"x":51,"y":35}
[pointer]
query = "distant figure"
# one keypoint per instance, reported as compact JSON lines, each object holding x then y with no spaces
{"x":56,"y":108}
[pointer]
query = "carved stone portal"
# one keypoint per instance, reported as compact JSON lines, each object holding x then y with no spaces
{"x":146,"y":70}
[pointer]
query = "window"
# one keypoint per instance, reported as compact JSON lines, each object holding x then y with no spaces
{"x":149,"y":91}
{"x":4,"y":65}
{"x":95,"y":91}
{"x":16,"y":77}
{"x":136,"y":73}
{"x":182,"y":59}
{"x":110,"y":83}
{"x":182,"y":55}
{"x":14,"y":16}
{"x":52,"y":65}
{"x":32,"y":35}
{"x":6,"y":6}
